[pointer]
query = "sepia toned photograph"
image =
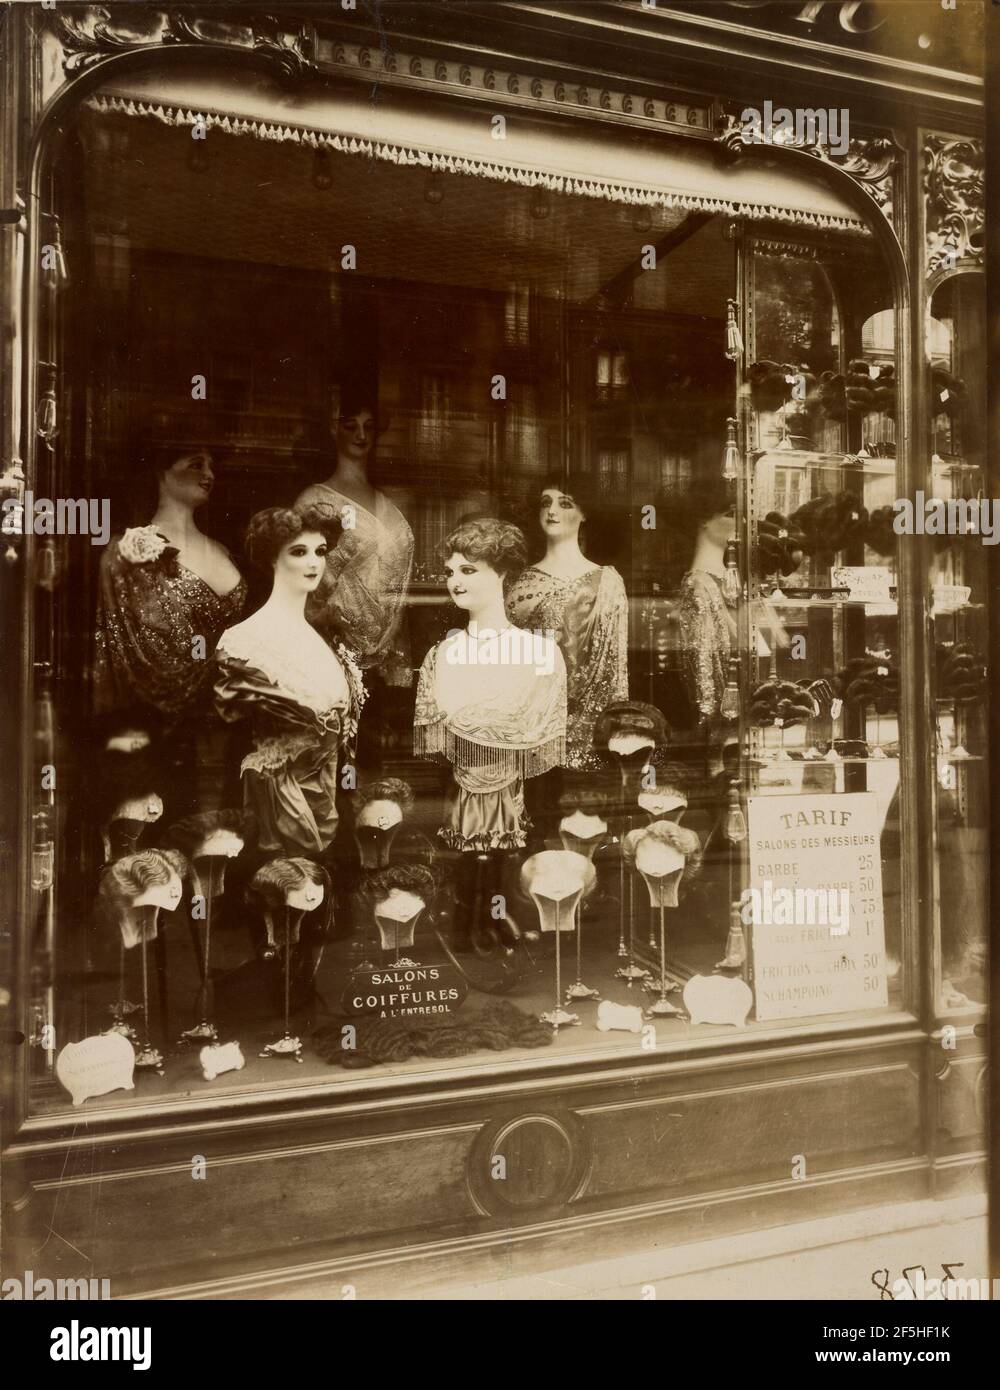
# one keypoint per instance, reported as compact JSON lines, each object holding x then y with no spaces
{"x":498,"y":559}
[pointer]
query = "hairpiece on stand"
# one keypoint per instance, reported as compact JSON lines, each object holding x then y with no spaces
{"x":780,"y":544}
{"x":630,"y":721}
{"x":556,"y":880}
{"x":880,"y":533}
{"x":831,"y":523}
{"x":963,"y":676}
{"x":133,"y":891}
{"x":209,"y":840}
{"x":292,"y":889}
{"x":398,"y":895}
{"x":382,"y":808}
{"x":661,"y":853}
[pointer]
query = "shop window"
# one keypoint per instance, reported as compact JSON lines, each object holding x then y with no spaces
{"x":713,"y":687}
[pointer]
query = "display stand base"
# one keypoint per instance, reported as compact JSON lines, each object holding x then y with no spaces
{"x":284,"y":1047}
{"x":580,"y":991}
{"x":149,"y":1059}
{"x":200,"y":1033}
{"x":662,"y":1009}
{"x":124,"y":1030}
{"x":631,"y":972}
{"x":559,"y":1018}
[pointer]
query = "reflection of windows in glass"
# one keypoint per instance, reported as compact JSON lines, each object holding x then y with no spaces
{"x":522,"y":441}
{"x":611,"y":373}
{"x":613,"y":470}
{"x":789,"y":489}
{"x":435,"y":407}
{"x":675,"y":468}
{"x":517,"y":316}
{"x":431,"y":524}
{"x":878,"y":337}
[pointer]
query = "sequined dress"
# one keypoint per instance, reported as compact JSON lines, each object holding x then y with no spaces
{"x":589,"y":618}
{"x":157,"y":626}
{"x":302,"y":713}
{"x":707,"y":634}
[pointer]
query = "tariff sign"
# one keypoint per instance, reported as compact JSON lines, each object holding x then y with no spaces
{"x":819,"y":938}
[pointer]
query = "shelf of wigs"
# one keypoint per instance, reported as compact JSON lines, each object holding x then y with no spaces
{"x":630,"y":1014}
{"x":175,"y":998}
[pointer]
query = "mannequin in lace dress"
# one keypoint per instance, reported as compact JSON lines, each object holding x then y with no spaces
{"x":586,"y":608}
{"x":302,"y":697}
{"x":363,"y":602}
{"x":491,"y":697}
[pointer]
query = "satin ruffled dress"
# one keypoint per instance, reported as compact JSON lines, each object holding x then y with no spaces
{"x":589,"y":618}
{"x":496,"y":722}
{"x":301,"y":719}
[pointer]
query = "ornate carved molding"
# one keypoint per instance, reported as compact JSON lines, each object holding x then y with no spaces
{"x":871,"y":160}
{"x":91,"y":33}
{"x":675,"y":111}
{"x":955,"y":202}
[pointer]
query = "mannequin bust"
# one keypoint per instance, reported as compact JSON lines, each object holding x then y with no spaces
{"x":185,"y":485}
{"x":584,"y":604}
{"x":163,"y":585}
{"x":303,"y":698}
{"x":362,"y":598}
{"x":491,"y":697}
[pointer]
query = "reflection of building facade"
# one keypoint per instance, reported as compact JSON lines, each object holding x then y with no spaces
{"x":591,"y":297}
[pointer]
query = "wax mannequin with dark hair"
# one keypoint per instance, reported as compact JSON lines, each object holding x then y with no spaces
{"x":303,"y":698}
{"x":585,"y":606}
{"x":166,"y":590}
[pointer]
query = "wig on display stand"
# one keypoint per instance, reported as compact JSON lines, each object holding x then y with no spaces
{"x":134,"y":891}
{"x":288,"y":892}
{"x":209,"y":840}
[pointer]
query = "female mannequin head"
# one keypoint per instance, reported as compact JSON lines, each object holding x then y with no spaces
{"x":704,"y":512}
{"x":563,"y":510}
{"x":481,"y":558}
{"x":174,"y":462}
{"x":292,"y":544}
{"x":356,"y":429}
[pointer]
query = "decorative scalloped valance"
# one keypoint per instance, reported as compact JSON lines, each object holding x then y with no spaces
{"x":617,"y":166}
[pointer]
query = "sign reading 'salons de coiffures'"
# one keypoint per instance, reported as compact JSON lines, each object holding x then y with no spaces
{"x":405,"y":991}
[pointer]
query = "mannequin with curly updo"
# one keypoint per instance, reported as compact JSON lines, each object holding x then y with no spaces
{"x":491,"y":697}
{"x":302,"y":697}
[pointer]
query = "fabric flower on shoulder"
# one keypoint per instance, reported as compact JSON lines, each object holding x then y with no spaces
{"x":141,"y":545}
